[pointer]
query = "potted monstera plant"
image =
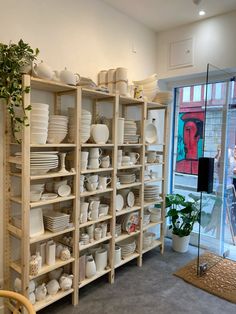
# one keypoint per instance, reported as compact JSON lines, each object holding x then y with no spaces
{"x":183,"y":215}
{"x":15,"y":59}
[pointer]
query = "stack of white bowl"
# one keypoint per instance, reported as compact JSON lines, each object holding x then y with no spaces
{"x":155,"y":214}
{"x":148,"y":239}
{"x":130,"y":132}
{"x":127,"y":247}
{"x":163,"y":97}
{"x":86,"y":119}
{"x":57,"y":129}
{"x":39,"y":123}
{"x":149,"y":86}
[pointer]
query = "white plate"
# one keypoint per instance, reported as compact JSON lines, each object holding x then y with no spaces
{"x":49,"y":196}
{"x":130,"y":199}
{"x":64,"y":190}
{"x":150,"y":133}
{"x":119,"y":202}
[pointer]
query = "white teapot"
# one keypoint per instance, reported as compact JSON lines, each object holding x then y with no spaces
{"x":66,"y":282}
{"x":43,"y":71}
{"x":53,"y":287}
{"x":41,"y":292}
{"x":67,"y":77}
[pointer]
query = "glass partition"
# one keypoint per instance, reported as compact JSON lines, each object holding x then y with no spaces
{"x":217,"y":229}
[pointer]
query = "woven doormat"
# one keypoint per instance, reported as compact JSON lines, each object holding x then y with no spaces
{"x":219,"y":279}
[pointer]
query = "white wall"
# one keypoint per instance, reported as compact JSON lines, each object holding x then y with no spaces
{"x":84,"y":35}
{"x":214,"y":42}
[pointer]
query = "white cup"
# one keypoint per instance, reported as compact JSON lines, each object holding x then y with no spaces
{"x":103,"y":182}
{"x":92,"y":178}
{"x":93,"y":214}
{"x":84,"y":164}
{"x":94,"y":205}
{"x":134,"y":157}
{"x":103,"y":209}
{"x":84,"y":212}
{"x":98,"y":233}
{"x":91,"y":186}
{"x":104,"y":229}
{"x":84,"y":155}
{"x":90,"y":231}
{"x":151,"y":156}
{"x":95,"y":152}
{"x":105,"y":162}
{"x":94,"y":163}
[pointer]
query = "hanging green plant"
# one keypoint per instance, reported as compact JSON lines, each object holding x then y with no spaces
{"x":14,"y":60}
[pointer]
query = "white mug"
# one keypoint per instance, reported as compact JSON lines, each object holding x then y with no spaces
{"x":151,"y":156}
{"x":94,"y":205}
{"x":91,"y":186}
{"x":104,"y":229}
{"x":105,"y":162}
{"x":84,"y":155}
{"x":98,"y":233}
{"x":95,"y":152}
{"x":103,"y":209}
{"x":103,"y":182}
{"x":84,"y":212}
{"x":92,"y":179}
{"x":134,"y":157}
{"x":93,"y":214}
{"x":94,"y":163}
{"x":83,"y":164}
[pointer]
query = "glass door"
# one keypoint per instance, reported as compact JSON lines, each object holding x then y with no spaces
{"x":218,"y":218}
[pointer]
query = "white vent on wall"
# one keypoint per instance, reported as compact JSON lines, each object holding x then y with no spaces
{"x":181,"y":53}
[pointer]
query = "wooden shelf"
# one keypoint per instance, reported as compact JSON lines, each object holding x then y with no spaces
{"x":39,"y":305}
{"x":84,"y":247}
{"x":156,"y":244}
{"x":154,"y":164}
{"x":127,"y":210}
{"x":151,"y":105}
{"x":152,"y":203}
{"x":124,"y":236}
{"x":98,"y":275}
{"x":50,"y":86}
{"x":153,"y":180}
{"x":152,"y":224}
{"x":17,"y":199}
{"x":129,"y":167}
{"x":130,"y":101}
{"x":97,"y":145}
{"x":91,"y":93}
{"x":85,"y":194}
{"x":155,"y":144}
{"x":48,"y":235}
{"x":92,"y":222}
{"x":96,"y":170}
{"x":131,"y":145}
{"x":68,"y":145}
{"x":126,"y":186}
{"x":16,"y":265}
{"x":45,"y":176}
{"x":14,"y":231}
{"x":127,"y":259}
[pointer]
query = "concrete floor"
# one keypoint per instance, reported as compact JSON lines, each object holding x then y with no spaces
{"x":151,"y":289}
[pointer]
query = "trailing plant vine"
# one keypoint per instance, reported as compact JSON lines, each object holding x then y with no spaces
{"x":14,"y":58}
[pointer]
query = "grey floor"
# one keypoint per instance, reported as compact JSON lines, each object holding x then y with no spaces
{"x":146,"y":290}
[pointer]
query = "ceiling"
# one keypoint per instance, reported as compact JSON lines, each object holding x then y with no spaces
{"x":160,"y":15}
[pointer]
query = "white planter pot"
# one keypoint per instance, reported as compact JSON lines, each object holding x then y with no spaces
{"x":180,"y":244}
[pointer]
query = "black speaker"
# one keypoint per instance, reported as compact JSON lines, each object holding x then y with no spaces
{"x":205,"y":174}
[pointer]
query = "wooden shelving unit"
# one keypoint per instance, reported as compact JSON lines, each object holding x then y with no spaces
{"x":23,"y":205}
{"x":119,"y":106}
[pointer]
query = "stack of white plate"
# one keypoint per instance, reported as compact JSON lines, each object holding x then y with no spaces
{"x":56,"y":221}
{"x":72,"y":125}
{"x":41,"y":162}
{"x":127,"y":178}
{"x":130,"y":132}
{"x":146,"y":218}
{"x":86,"y":119}
{"x":148,"y":239}
{"x":155,"y":214}
{"x":163,"y":97}
{"x":151,"y":193}
{"x":39,"y":123}
{"x":118,"y":230}
{"x":57,"y":129}
{"x":127,"y":247}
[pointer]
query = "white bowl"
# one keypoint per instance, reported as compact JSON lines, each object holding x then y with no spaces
{"x":151,"y":85}
{"x":40,"y":111}
{"x":38,"y":130}
{"x":149,"y":79}
{"x":38,"y":138}
{"x":39,"y":117}
{"x":37,"y":124}
{"x":150,"y":95}
{"x":56,"y":138}
{"x":35,"y":195}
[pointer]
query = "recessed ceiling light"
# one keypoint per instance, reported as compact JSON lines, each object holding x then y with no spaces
{"x":201,"y":12}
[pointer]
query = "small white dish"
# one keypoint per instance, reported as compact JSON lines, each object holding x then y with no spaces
{"x":119,"y":202}
{"x":49,"y":196}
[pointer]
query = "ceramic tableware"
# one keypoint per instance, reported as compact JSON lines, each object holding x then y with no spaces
{"x":100,"y":133}
{"x":95,"y":152}
{"x":84,"y":212}
{"x":98,"y":233}
{"x":103,"y":210}
{"x":120,"y":129}
{"x":101,"y":259}
{"x":90,"y":268}
{"x":94,"y":163}
{"x":105,"y":162}
{"x":134,"y":157}
{"x":104,"y":182}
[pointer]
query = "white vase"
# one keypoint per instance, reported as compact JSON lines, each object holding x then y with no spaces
{"x":90,"y":270}
{"x":180,"y":244}
{"x":101,"y":259}
{"x":100,"y":133}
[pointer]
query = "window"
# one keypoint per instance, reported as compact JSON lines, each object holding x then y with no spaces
{"x":197,"y":93}
{"x":186,"y":94}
